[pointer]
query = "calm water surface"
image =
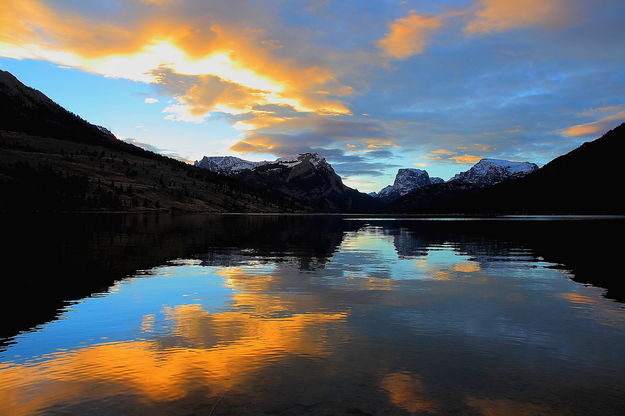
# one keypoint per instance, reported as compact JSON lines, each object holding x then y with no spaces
{"x":268,"y":315}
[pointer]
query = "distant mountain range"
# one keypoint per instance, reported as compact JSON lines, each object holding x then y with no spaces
{"x":307,"y":180}
{"x":486,"y":172}
{"x":52,"y":160}
{"x":587,"y":180}
{"x":226,"y":165}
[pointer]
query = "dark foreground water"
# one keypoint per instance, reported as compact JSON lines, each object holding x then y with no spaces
{"x":270,"y":315}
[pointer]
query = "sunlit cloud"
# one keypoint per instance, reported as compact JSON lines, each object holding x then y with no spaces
{"x":442,"y":152}
{"x":229,"y":69}
{"x":407,"y":36}
{"x":442,"y":155}
{"x":501,"y":15}
{"x":598,"y":126}
{"x":465,"y":159}
{"x":494,"y":78}
{"x":285,"y":135}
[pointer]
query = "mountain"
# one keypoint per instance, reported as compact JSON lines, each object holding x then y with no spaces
{"x":587,"y":180}
{"x":492,"y":171}
{"x":406,"y":181}
{"x":226,"y":165}
{"x":307,"y":180}
{"x":415,"y":191}
{"x":484,"y":174}
{"x":52,"y":160}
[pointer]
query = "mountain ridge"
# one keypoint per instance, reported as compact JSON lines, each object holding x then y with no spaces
{"x":53,"y":160}
{"x":562,"y":186}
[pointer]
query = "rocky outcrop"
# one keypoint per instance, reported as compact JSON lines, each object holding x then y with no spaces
{"x":406,"y":180}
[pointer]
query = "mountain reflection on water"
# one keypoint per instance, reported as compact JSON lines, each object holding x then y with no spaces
{"x":290,"y":315}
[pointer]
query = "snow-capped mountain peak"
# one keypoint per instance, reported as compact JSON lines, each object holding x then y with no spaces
{"x":231,"y":165}
{"x":227,"y":164}
{"x":492,"y":171}
{"x":406,"y":180}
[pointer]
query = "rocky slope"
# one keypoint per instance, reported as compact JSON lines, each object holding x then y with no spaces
{"x":308,"y":180}
{"x":406,"y":181}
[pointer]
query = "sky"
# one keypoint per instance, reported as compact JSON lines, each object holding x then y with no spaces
{"x":373,"y":86}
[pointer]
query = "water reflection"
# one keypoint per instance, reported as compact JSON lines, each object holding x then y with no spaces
{"x":319,"y":315}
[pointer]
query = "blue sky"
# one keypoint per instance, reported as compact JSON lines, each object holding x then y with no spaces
{"x":371,"y":85}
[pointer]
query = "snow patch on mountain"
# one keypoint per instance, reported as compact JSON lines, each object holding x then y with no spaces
{"x":231,"y":165}
{"x":493,"y":171}
{"x":406,"y":181}
{"x":227,"y":165}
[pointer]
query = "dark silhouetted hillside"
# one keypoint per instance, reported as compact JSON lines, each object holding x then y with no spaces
{"x":587,"y":180}
{"x":52,"y":160}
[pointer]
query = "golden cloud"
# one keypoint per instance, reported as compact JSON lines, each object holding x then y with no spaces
{"x":501,"y":15}
{"x":465,"y":159}
{"x":598,"y":126}
{"x":293,"y":133}
{"x":230,"y":68}
{"x":408,"y":35}
{"x":443,"y":152}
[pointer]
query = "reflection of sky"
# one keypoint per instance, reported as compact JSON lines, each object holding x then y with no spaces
{"x":117,"y":315}
{"x":412,"y":317}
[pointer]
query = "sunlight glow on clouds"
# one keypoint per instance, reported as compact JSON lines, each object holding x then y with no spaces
{"x":235,"y":72}
{"x":407,"y":35}
{"x":372,"y":86}
{"x":599,"y":126}
{"x":500,"y":15}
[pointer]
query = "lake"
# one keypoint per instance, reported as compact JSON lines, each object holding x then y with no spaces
{"x":320,"y":315}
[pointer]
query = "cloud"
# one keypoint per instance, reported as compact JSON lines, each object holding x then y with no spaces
{"x":442,"y":152}
{"x":288,"y":135}
{"x":231,"y":66}
{"x":295,"y":76}
{"x":465,"y":159}
{"x":407,"y":36}
{"x":501,"y":15}
{"x":150,"y":100}
{"x":599,"y":126}
{"x":441,"y":156}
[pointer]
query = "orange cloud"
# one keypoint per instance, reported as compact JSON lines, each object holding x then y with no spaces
{"x":408,"y":35}
{"x":501,"y":15}
{"x":599,"y":126}
{"x":226,"y":66}
{"x":292,"y":133}
{"x":443,"y":152}
{"x":465,"y":159}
